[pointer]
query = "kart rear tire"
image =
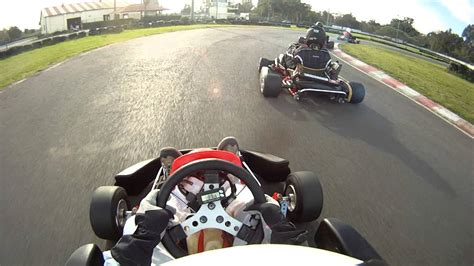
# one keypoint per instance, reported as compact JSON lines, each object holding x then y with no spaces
{"x":358,"y":92}
{"x":264,"y":62}
{"x":309,"y":196}
{"x":106,"y":213}
{"x":270,"y":82}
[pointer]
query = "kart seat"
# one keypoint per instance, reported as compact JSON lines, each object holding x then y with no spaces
{"x":306,"y":77}
{"x":302,"y":70}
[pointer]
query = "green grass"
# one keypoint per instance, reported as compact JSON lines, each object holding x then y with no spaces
{"x":25,"y":64}
{"x":397,"y":45}
{"x":431,"y":80}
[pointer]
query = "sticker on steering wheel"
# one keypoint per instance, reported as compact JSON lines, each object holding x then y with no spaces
{"x":211,"y":196}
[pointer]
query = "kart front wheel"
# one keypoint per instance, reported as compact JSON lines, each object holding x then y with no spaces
{"x":358,"y":92}
{"x":107,"y":211}
{"x":305,"y":196}
{"x":270,"y":82}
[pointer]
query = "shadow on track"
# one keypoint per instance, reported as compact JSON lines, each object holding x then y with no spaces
{"x":365,"y":124}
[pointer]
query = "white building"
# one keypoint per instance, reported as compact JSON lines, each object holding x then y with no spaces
{"x":69,"y":16}
{"x":218,"y":9}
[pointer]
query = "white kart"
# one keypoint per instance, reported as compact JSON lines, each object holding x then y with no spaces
{"x":335,"y":243}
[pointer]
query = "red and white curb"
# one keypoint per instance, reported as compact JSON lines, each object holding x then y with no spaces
{"x":410,"y":93}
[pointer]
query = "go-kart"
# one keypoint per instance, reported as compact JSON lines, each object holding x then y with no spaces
{"x":274,"y":77}
{"x":349,"y":39}
{"x":299,"y":196}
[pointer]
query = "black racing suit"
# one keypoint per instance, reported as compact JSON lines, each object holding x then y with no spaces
{"x":299,"y":53}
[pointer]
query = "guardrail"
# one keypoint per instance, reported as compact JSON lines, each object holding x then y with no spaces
{"x":116,"y":29}
{"x":37,"y":43}
{"x":445,"y":58}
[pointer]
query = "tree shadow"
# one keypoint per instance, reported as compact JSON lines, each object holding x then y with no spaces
{"x":363,"y":123}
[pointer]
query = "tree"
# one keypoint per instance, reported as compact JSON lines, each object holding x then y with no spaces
{"x":405,"y":25}
{"x":186,"y":10}
{"x":347,"y":20}
{"x":14,"y":33}
{"x":4,"y":38}
{"x":276,"y":10}
{"x":371,"y":26}
{"x":468,"y":34}
{"x":444,"y":41}
{"x":245,"y":7}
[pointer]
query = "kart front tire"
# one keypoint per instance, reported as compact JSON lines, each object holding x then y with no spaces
{"x":270,"y":82}
{"x":307,"y":198}
{"x":358,"y":92}
{"x":264,"y":62}
{"x":107,"y":211}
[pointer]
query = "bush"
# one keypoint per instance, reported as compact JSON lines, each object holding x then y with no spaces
{"x":58,"y":39}
{"x":109,"y":23}
{"x":13,"y":51}
{"x":185,"y":21}
{"x":115,"y":29}
{"x":47,"y":41}
{"x":74,"y":35}
{"x":37,"y":44}
{"x":161,"y":17}
{"x":27,"y":47}
{"x":461,"y":71}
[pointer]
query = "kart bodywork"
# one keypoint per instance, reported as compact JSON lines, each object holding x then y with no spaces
{"x":340,"y":240}
{"x":274,"y":77}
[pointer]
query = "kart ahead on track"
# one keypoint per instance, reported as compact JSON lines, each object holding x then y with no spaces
{"x":302,"y":80}
{"x":300,"y":197}
{"x":349,"y":39}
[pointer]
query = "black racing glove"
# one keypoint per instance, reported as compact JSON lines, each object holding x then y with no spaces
{"x":137,"y":249}
{"x":282,"y":231}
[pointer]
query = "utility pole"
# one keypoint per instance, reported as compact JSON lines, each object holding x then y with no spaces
{"x":398,"y":27}
{"x":192,"y":11}
{"x":329,"y":12}
{"x":217,"y":9}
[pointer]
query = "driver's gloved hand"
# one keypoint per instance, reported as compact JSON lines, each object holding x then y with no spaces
{"x":137,"y":248}
{"x":282,"y":231}
{"x":151,"y":221}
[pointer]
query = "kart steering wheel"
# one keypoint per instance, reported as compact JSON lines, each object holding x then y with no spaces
{"x":211,"y":213}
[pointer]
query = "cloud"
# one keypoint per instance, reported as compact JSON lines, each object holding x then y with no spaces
{"x":463,"y":10}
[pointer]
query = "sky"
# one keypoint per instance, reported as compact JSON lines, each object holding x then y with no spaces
{"x":429,"y":15}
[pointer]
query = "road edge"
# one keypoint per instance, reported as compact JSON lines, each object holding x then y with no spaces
{"x":435,"y":108}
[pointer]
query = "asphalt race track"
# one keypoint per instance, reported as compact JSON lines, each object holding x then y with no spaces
{"x":396,"y":172}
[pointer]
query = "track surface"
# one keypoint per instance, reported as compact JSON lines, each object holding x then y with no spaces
{"x":396,"y":172}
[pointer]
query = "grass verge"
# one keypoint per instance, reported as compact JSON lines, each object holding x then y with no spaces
{"x":399,"y":46}
{"x":25,"y":64}
{"x":429,"y":79}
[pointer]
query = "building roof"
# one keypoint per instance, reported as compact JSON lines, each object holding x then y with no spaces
{"x":74,"y":8}
{"x":140,"y":8}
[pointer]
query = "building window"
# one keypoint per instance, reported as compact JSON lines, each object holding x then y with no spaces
{"x":125,"y":16}
{"x":106,"y":17}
